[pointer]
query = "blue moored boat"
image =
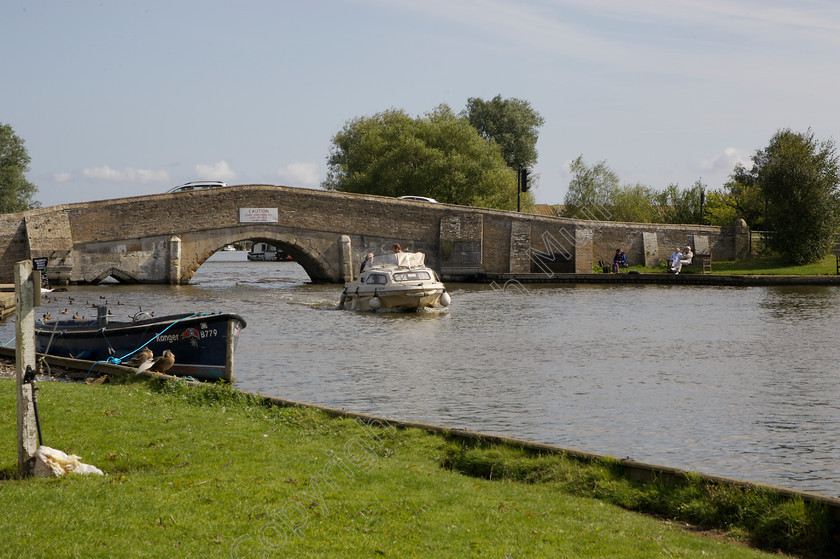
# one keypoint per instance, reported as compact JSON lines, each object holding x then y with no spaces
{"x":203,"y":343}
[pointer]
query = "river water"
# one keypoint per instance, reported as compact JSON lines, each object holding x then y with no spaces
{"x":737,"y":382}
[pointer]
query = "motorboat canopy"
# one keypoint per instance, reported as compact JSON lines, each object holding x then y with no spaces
{"x":401,"y":259}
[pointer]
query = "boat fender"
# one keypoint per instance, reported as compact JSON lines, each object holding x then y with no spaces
{"x":445,"y":299}
{"x":375,"y":303}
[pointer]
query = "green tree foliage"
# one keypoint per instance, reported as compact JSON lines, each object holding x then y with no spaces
{"x":680,"y":205}
{"x":720,"y":209}
{"x":591,"y":190}
{"x":634,"y":203}
{"x":800,"y":177}
{"x":438,"y":155}
{"x":16,"y":193}
{"x":594,"y":193}
{"x":511,"y":123}
{"x":741,"y":197}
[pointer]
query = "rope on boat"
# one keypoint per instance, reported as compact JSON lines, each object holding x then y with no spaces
{"x":119,"y":360}
{"x":70,"y":351}
{"x":55,"y":329}
{"x":111,"y":349}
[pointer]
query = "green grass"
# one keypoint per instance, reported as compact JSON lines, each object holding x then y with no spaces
{"x":772,"y":265}
{"x":206,"y":471}
{"x":754,"y":265}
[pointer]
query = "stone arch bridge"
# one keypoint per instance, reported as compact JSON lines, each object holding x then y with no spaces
{"x":164,"y":238}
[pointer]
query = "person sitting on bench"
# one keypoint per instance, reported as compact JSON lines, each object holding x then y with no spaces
{"x":687,"y":257}
{"x":675,"y":261}
{"x":619,"y":260}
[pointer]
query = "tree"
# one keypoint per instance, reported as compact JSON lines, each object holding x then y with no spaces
{"x":590,"y":191}
{"x":680,"y":206}
{"x":438,"y":155}
{"x":799,"y":177}
{"x":634,"y":203}
{"x":16,"y":193}
{"x":741,"y":197}
{"x":720,"y":209}
{"x":511,"y":123}
{"x":594,"y":193}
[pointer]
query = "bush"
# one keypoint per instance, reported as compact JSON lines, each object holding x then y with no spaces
{"x":767,"y":518}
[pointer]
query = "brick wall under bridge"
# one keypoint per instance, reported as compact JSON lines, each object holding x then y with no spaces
{"x":164,"y":238}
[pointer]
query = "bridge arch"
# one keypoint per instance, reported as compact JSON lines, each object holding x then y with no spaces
{"x":307,"y":253}
{"x":117,"y":273}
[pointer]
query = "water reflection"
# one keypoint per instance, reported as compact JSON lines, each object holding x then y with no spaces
{"x":800,"y":303}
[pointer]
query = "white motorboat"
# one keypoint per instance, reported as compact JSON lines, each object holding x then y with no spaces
{"x":398,"y":281}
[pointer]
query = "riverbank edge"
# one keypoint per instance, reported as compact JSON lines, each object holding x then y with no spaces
{"x":639,"y":471}
{"x":624,"y":278}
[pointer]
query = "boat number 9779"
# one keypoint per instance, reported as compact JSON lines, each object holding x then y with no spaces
{"x":187,"y":334}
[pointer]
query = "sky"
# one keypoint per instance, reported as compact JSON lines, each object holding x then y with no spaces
{"x":126,"y":98}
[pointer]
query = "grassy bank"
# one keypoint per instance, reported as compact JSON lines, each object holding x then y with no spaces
{"x":774,"y":266}
{"x":756,"y":266}
{"x":206,"y":471}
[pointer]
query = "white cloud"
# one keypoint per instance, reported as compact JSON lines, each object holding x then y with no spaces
{"x":220,"y":171}
{"x":545,"y":18}
{"x":698,"y":39}
{"x":61,"y":177}
{"x":725,"y":162}
{"x":300,"y":174}
{"x":126,"y":175}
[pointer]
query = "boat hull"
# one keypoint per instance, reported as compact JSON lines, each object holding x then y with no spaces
{"x":203,"y":344}
{"x":393,"y":300}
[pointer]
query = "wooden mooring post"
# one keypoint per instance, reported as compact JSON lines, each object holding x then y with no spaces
{"x":28,"y":428}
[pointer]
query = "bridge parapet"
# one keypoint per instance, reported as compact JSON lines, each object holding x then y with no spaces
{"x":164,"y":238}
{"x":49,"y":236}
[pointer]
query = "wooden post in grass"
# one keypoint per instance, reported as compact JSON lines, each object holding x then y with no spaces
{"x":36,"y":291}
{"x":27,"y":424}
{"x":231,"y":345}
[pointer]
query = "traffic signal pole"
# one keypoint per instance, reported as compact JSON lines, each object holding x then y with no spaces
{"x":521,"y":186}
